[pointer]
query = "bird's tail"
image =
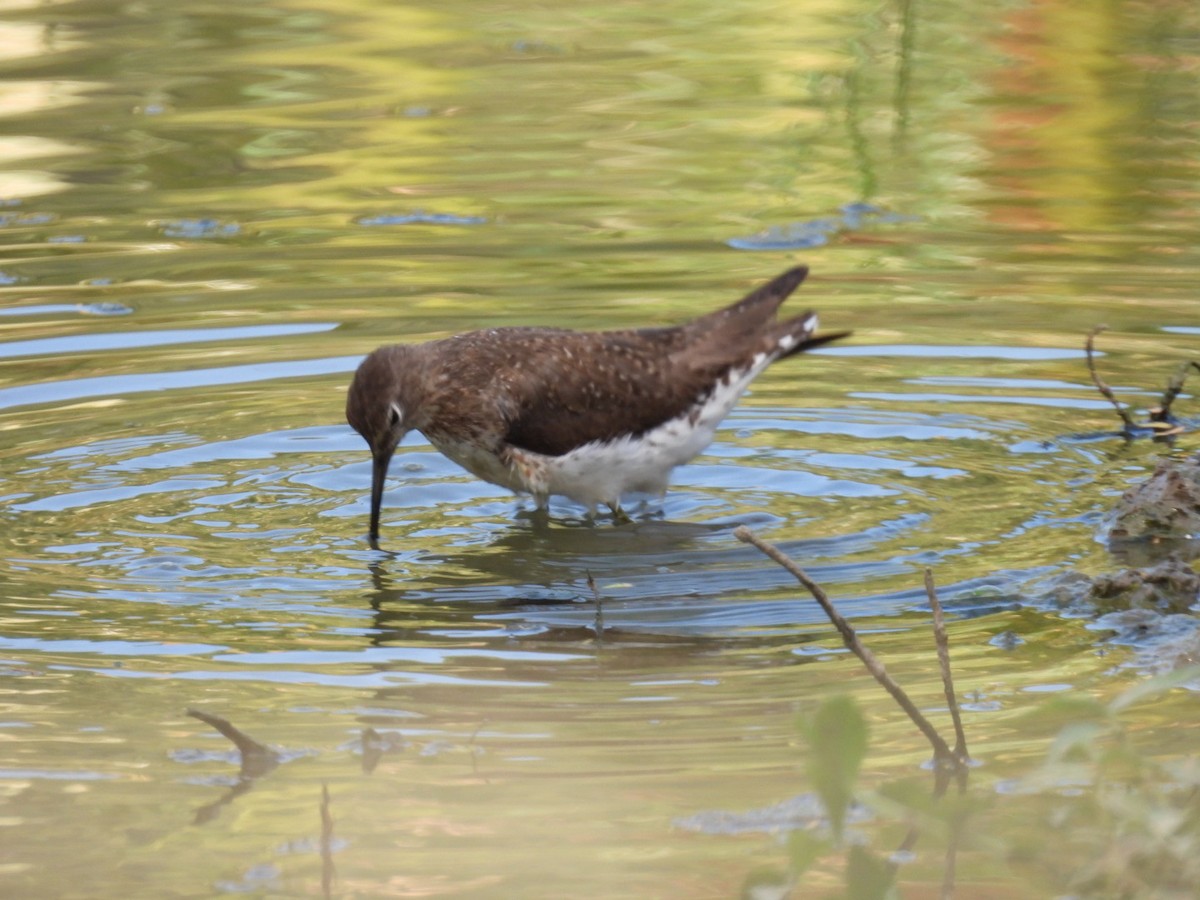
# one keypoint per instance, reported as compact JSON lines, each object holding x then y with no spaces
{"x":751,"y":314}
{"x":798,"y":335}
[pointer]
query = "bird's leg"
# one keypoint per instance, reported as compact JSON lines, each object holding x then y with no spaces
{"x":540,"y":514}
{"x":620,"y":517}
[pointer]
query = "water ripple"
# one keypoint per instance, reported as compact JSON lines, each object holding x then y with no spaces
{"x":90,"y":342}
{"x":114,"y":385}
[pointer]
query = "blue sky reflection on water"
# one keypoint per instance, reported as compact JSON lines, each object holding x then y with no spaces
{"x":209,"y":215}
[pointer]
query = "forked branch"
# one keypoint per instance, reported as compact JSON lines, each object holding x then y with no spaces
{"x":1089,"y":346}
{"x":943,"y":755}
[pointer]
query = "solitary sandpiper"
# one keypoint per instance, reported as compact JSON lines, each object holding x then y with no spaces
{"x":592,"y":416}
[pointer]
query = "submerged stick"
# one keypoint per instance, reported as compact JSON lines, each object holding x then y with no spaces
{"x":598,"y":622}
{"x":1161,"y":415}
{"x":941,"y":749}
{"x":475,"y":750}
{"x":1130,"y":428}
{"x":257,"y":758}
{"x":372,"y":749}
{"x":943,"y":652}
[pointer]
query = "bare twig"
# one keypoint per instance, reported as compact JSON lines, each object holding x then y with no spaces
{"x":1162,"y":412}
{"x":941,"y":751}
{"x":950,"y":866}
{"x":943,"y":652}
{"x":1130,"y":428}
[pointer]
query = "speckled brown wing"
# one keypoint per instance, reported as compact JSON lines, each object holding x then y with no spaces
{"x":597,"y":387}
{"x":551,"y":390}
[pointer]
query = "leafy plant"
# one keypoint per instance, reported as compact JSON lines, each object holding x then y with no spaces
{"x":837,"y":742}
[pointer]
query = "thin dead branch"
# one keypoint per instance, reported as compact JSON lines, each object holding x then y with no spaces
{"x":1130,"y":428}
{"x":943,"y":755}
{"x":1161,"y":423}
{"x":943,"y":652}
{"x":1160,"y":416}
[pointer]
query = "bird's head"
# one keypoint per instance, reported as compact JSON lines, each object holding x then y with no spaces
{"x":375,"y":408}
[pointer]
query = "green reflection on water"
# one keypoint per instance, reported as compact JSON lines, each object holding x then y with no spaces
{"x":215,"y":167}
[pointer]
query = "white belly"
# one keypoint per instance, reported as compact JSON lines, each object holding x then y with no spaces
{"x":602,"y":472}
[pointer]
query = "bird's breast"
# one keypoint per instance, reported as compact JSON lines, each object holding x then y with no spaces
{"x":477,"y":458}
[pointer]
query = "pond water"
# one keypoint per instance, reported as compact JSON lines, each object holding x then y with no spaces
{"x":211,"y":212}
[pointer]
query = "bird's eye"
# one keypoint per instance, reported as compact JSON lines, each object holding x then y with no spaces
{"x":394,"y":416}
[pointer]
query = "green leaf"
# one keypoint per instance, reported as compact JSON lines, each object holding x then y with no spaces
{"x":868,"y":877}
{"x":1075,"y":741}
{"x":804,"y":849}
{"x":768,"y":884}
{"x":1155,"y":686}
{"x":914,"y":800}
{"x":837,"y":739}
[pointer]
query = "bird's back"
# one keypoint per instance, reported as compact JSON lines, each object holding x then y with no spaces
{"x":551,"y":390}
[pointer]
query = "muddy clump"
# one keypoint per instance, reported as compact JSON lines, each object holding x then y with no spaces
{"x":1168,"y":587}
{"x":1150,"y":610}
{"x":1160,"y":516}
{"x":1172,"y":586}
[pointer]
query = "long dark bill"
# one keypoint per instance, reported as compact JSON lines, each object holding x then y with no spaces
{"x":817,"y":341}
{"x":379,"y":470}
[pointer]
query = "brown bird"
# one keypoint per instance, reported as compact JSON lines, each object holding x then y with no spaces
{"x":587,"y":415}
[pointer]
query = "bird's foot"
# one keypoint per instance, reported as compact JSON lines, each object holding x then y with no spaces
{"x":620,"y":517}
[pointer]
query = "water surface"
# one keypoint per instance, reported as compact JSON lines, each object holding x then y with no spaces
{"x":211,"y":213}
